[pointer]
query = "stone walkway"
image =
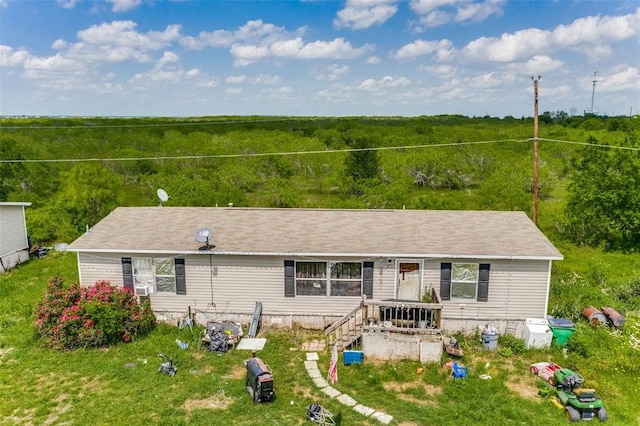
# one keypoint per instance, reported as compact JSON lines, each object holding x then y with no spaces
{"x":311,"y":364}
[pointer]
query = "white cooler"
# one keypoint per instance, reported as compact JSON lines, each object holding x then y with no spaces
{"x":537,"y":333}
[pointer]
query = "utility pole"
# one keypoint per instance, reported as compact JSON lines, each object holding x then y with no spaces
{"x":535,"y":150}
{"x":593,"y":92}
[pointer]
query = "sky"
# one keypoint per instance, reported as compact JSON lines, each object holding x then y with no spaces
{"x":318,"y":58}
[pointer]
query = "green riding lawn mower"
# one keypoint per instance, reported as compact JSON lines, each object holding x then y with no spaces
{"x":579,"y":404}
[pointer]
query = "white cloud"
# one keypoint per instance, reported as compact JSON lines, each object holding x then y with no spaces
{"x":11,"y":58}
{"x":371,"y":85}
{"x":59,"y":44}
{"x":479,"y":11}
{"x":586,"y":35}
{"x":124,"y":5}
{"x":333,"y":72}
{"x":361,"y":14}
{"x":509,"y":47}
{"x":167,"y":58}
{"x":297,"y":49}
{"x":541,"y":64}
{"x":218,"y":38}
{"x":123,"y":34}
{"x":435,"y":19}
{"x":234,"y":91}
{"x":440,"y":71}
{"x":619,"y":79}
{"x":265,"y":79}
{"x":236,"y":79}
{"x":421,"y":48}
{"x":67,"y":4}
{"x":373,"y":60}
{"x":597,"y":30}
{"x":423,"y":7}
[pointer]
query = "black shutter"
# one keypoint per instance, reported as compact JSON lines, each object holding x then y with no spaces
{"x":181,"y":283}
{"x":289,"y":278}
{"x":127,"y":272}
{"x":367,"y":279}
{"x":445,"y":281}
{"x":483,"y":283}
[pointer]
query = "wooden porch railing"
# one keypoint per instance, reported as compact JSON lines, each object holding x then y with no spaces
{"x":393,"y":316}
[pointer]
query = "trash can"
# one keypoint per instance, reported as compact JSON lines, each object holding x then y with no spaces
{"x":489,"y":338}
{"x":562,"y":329}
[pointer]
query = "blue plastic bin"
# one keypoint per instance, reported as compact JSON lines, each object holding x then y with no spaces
{"x":352,"y":357}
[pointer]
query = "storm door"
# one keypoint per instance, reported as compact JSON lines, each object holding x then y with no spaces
{"x":409,"y":280}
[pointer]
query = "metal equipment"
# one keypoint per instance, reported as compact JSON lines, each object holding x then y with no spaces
{"x":259,"y":381}
{"x":167,"y":366}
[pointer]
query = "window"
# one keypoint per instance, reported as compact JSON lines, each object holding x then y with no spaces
{"x":164,"y":275}
{"x":346,"y":279}
{"x":464,"y":281}
{"x":327,"y":279}
{"x":311,"y":278}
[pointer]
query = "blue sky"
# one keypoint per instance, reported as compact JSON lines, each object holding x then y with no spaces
{"x":317,"y":58}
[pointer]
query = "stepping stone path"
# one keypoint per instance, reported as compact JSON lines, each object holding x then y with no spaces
{"x":311,"y":364}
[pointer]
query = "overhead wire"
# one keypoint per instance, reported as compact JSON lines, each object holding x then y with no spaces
{"x":313,"y":152}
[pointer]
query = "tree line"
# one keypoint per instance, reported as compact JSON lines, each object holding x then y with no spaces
{"x":76,"y":170}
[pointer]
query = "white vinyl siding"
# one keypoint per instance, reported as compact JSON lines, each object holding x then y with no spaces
{"x":13,"y":234}
{"x":233,"y":285}
{"x":517,"y":290}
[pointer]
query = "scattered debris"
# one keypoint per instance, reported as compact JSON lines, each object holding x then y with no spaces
{"x":317,"y":413}
{"x":594,"y":316}
{"x":614,"y":316}
{"x":453,"y":348}
{"x":167,"y":366}
{"x":181,"y":344}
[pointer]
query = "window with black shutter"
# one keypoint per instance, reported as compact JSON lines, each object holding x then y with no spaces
{"x":367,"y":279}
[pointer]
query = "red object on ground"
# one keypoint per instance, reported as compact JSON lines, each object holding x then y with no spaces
{"x":545,"y":371}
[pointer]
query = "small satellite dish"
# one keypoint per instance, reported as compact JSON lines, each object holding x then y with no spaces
{"x":162,"y":194}
{"x":203,"y":235}
{"x":60,"y":247}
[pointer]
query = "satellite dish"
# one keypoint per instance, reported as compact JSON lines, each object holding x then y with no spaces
{"x":60,"y":247}
{"x":202,"y":236}
{"x":162,"y":194}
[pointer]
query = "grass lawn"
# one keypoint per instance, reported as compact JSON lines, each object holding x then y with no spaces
{"x":121,"y":384}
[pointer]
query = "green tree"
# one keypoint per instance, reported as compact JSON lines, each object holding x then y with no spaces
{"x":363,"y":163}
{"x":88,"y":193}
{"x":603,"y":207}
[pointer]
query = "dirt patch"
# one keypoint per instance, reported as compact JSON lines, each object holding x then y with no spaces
{"x":417,"y":401}
{"x":524,"y":388}
{"x":219,"y":401}
{"x":238,"y":372}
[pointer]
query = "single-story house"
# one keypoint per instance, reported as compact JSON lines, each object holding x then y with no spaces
{"x":312,"y":267}
{"x":14,"y":242}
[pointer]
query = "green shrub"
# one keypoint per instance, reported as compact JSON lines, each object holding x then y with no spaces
{"x":90,"y":317}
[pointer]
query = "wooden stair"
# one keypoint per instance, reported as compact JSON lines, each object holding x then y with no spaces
{"x":347,"y":330}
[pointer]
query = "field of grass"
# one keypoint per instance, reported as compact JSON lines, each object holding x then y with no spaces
{"x":121,"y":384}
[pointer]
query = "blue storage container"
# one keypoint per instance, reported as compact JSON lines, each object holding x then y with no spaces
{"x":352,"y":357}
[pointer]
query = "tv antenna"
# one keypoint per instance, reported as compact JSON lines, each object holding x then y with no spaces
{"x":593,"y":92}
{"x":162,"y":194}
{"x":203,"y":235}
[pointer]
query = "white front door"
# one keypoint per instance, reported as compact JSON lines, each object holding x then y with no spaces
{"x":409,"y":280}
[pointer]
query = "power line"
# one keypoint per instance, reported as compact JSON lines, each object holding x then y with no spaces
{"x":261,"y":154}
{"x":328,"y":151}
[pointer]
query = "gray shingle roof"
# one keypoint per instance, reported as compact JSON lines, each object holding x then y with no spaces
{"x":397,"y":233}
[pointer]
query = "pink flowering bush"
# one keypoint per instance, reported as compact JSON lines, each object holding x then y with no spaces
{"x":91,"y":317}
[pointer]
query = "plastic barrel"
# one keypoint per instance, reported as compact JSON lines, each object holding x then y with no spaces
{"x":490,"y":341}
{"x":594,"y":316}
{"x":616,"y":318}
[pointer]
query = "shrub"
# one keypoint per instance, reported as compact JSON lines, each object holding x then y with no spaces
{"x":90,"y":317}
